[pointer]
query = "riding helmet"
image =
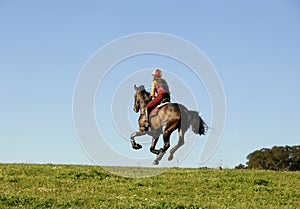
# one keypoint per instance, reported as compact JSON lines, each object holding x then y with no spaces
{"x":157,"y":73}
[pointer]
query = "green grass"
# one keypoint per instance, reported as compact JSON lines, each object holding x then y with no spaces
{"x":71,"y":186}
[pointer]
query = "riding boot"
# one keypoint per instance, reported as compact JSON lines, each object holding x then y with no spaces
{"x":147,"y":124}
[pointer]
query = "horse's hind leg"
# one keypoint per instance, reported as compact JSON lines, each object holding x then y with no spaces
{"x":179,"y":144}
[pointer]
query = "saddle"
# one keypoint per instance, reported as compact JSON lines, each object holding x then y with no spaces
{"x":155,"y":110}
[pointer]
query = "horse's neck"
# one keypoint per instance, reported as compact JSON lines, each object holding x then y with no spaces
{"x":146,"y":99}
{"x":142,"y":109}
{"x":147,"y":95}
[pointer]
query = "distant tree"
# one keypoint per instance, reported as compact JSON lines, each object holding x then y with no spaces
{"x":259,"y":159}
{"x":241,"y":166}
{"x":276,"y":158}
{"x":295,"y":158}
{"x":280,"y":158}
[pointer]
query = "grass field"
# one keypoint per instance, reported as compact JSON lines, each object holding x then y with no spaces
{"x":71,"y":186}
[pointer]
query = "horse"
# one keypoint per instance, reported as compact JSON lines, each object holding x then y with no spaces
{"x":170,"y":116}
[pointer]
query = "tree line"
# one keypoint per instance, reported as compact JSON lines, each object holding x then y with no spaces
{"x":277,"y":158}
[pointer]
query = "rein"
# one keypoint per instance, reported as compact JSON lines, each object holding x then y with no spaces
{"x":142,"y":109}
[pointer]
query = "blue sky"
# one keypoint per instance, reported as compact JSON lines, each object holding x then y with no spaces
{"x":254,"y":46}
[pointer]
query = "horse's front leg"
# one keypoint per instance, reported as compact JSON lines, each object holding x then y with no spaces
{"x":179,"y":144}
{"x":155,"y":151}
{"x":153,"y":144}
{"x":133,"y":143}
{"x":162,"y":151}
{"x":166,"y":146}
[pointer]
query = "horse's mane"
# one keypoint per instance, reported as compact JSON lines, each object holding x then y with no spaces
{"x":142,"y":90}
{"x":145,"y":95}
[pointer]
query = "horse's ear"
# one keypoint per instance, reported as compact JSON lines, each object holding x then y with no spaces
{"x":135,"y":88}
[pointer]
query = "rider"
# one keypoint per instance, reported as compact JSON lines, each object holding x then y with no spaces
{"x":159,"y":87}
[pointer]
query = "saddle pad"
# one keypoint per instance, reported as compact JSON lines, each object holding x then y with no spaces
{"x":163,"y":104}
{"x":155,"y":110}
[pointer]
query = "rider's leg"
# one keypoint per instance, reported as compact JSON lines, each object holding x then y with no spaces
{"x":166,"y":97}
{"x":154,"y":102}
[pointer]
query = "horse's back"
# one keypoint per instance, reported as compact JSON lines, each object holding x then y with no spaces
{"x":175,"y":107}
{"x":174,"y":111}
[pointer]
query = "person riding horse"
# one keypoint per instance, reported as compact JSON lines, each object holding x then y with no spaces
{"x":170,"y":117}
{"x":160,"y":88}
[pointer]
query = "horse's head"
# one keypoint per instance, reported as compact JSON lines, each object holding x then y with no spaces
{"x":137,"y":98}
{"x":141,"y":97}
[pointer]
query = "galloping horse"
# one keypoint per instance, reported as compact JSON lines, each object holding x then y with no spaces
{"x":170,"y":117}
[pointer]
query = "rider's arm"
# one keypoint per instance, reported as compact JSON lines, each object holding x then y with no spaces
{"x":153,"y":89}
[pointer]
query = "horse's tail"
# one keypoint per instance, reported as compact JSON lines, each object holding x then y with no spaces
{"x":197,"y":123}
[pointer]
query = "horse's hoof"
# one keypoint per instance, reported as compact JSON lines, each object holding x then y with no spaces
{"x":155,"y":162}
{"x":170,"y":157}
{"x":136,"y":146}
